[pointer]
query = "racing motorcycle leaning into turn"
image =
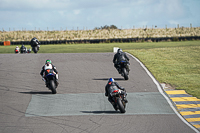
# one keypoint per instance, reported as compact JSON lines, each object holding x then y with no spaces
{"x":121,"y":63}
{"x":123,"y":69}
{"x":116,"y":95}
{"x":35,"y":45}
{"x":118,"y":98}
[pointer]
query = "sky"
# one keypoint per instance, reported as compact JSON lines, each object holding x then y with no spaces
{"x":88,"y":14}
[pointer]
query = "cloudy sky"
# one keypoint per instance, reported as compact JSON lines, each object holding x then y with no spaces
{"x":88,"y":14}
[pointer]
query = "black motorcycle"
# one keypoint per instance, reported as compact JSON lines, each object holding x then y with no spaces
{"x":124,"y":69}
{"x":51,"y":81}
{"x":35,"y":47}
{"x":118,"y":98}
{"x":23,"y":50}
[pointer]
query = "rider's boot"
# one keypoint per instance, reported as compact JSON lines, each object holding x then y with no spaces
{"x":119,"y":70}
{"x":125,"y":100}
{"x":114,"y":106}
{"x":57,"y":83}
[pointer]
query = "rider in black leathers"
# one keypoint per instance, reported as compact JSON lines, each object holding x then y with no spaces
{"x":120,"y":56}
{"x":34,"y":41}
{"x":110,"y":87}
{"x":22,"y":48}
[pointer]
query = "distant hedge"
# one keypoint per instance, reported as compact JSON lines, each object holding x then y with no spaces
{"x":119,"y":40}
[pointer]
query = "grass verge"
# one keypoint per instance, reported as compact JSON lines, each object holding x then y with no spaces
{"x":177,"y":66}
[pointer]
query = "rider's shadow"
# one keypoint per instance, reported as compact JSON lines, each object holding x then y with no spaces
{"x":101,"y":112}
{"x":37,"y":92}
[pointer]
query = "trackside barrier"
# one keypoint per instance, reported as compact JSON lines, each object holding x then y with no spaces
{"x":116,"y":40}
{"x":6,"y":43}
{"x":115,"y":49}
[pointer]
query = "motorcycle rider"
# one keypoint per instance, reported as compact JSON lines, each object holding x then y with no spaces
{"x":110,"y":87}
{"x":48,"y":65}
{"x":34,"y":41}
{"x":17,"y":49}
{"x":23,"y":47}
{"x":118,"y":57}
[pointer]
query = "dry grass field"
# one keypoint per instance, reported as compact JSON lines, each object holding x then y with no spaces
{"x":98,"y":34}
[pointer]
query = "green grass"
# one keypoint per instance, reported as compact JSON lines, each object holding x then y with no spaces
{"x":104,"y":47}
{"x":175,"y":63}
{"x":178,"y":66}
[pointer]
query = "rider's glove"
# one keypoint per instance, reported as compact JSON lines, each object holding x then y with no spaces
{"x":122,"y":89}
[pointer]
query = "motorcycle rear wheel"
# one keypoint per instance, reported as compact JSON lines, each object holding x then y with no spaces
{"x":35,"y":49}
{"x":125,"y":73}
{"x":52,"y":86}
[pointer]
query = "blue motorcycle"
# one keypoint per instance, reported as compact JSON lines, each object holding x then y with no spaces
{"x":51,"y":81}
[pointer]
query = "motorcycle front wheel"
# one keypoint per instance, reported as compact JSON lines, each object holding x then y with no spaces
{"x":120,"y":105}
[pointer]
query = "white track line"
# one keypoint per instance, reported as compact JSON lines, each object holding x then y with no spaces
{"x":161,"y":91}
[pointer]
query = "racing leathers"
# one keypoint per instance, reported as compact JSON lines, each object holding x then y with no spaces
{"x":44,"y":72}
{"x":35,"y":42}
{"x":118,"y":57}
{"x":17,"y":50}
{"x":23,"y":49}
{"x":110,"y":87}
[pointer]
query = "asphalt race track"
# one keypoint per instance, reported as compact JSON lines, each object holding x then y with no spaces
{"x":80,"y":106}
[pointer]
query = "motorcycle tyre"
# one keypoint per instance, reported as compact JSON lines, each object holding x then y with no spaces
{"x":120,"y":105}
{"x":52,"y":86}
{"x":35,"y":49}
{"x":125,"y":73}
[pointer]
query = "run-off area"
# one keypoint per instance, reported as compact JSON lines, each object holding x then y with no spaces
{"x":95,"y":104}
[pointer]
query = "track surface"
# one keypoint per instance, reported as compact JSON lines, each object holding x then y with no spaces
{"x":21,"y":86}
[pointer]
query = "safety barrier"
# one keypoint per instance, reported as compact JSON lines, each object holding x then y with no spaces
{"x":115,"y":40}
{"x":6,"y":43}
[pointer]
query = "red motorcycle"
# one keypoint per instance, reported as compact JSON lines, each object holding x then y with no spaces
{"x":118,"y":98}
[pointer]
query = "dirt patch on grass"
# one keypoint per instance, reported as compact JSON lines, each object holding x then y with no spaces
{"x":169,"y":87}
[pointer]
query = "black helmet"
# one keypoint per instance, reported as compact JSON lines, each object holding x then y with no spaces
{"x":119,"y":50}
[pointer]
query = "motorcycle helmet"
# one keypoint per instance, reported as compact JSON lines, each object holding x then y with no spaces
{"x":119,"y":50}
{"x":48,"y":61}
{"x":111,"y":80}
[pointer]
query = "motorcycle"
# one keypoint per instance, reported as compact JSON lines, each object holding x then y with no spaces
{"x":29,"y":51}
{"x":123,"y":69}
{"x":118,"y":98}
{"x":16,"y":51}
{"x":35,"y":47}
{"x":51,"y":81}
{"x":23,"y":50}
